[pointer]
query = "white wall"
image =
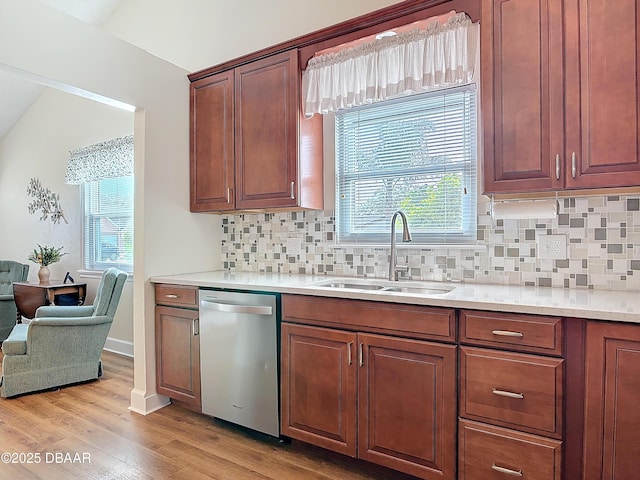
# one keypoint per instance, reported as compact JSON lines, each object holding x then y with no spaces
{"x":60,"y":51}
{"x":38,"y":146}
{"x":197,"y":34}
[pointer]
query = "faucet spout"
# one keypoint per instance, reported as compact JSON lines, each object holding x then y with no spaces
{"x":406,"y":237}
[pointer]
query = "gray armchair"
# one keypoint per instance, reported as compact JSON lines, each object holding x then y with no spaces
{"x":61,"y":345}
{"x":10,"y":272}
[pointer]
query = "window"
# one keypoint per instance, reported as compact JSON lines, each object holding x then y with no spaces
{"x":108,"y":223}
{"x":416,"y":154}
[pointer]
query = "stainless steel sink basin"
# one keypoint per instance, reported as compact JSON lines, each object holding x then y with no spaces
{"x":387,"y":286}
{"x":419,"y":290}
{"x":351,"y":286}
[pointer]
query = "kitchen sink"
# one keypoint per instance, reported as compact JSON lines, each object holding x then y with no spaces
{"x":414,"y":288}
{"x":420,"y":290}
{"x":351,"y":286}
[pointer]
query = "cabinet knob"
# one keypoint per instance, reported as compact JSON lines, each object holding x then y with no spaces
{"x":293,"y":190}
{"x":557,"y":166}
{"x":573,"y":164}
{"x":171,"y":295}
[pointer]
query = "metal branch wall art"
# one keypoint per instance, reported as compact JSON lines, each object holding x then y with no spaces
{"x":46,"y":201}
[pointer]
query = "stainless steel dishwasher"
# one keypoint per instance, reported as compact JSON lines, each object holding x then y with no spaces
{"x":238,"y":358}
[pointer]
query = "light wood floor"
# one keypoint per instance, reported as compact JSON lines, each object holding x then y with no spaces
{"x":86,"y":432}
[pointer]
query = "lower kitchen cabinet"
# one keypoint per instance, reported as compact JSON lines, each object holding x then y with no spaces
{"x":178,"y":345}
{"x":406,"y":416}
{"x":381,"y":398}
{"x":612,"y":416}
{"x":319,"y":387}
{"x":512,"y":398}
{"x":438,"y":393}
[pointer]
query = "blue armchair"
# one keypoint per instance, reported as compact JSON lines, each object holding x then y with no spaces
{"x":10,"y":272}
{"x":61,"y":345}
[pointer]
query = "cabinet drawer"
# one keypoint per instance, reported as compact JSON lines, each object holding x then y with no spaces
{"x":177,"y":295}
{"x":524,"y":333}
{"x":372,"y":317}
{"x":515,"y":390}
{"x":492,"y":452}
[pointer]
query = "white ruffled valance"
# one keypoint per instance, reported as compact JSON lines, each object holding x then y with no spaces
{"x":439,"y":56}
{"x":110,"y":159}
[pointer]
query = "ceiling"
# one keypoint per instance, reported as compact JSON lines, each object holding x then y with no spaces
{"x":16,"y":93}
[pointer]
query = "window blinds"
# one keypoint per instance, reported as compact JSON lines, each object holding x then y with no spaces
{"x":108,"y":223}
{"x":416,"y":154}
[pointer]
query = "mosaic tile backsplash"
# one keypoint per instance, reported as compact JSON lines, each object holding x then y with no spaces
{"x":603,"y":248}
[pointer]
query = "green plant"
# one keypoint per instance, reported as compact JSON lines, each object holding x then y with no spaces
{"x":46,"y":255}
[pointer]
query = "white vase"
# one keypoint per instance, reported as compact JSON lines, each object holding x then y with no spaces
{"x":44,"y":274}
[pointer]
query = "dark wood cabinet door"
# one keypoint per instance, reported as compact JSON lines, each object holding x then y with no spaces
{"x":612,"y":416}
{"x":407,"y":405}
{"x":603,"y":93}
{"x":266,"y":132}
{"x":318,"y":399}
{"x":522,"y":94}
{"x":178,"y":355}
{"x":212,"y":143}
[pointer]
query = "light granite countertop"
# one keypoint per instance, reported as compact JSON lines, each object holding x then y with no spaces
{"x":592,"y":304}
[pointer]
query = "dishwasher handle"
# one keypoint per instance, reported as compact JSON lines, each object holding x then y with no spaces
{"x":234,"y":308}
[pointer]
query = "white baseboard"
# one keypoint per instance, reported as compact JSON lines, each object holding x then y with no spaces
{"x":119,"y":346}
{"x":139,"y":402}
{"x":145,"y":405}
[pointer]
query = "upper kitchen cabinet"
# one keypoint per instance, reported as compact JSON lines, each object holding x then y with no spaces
{"x":251,"y":147}
{"x":603,"y":93}
{"x":211,"y":136}
{"x":522,"y":76}
{"x":560,"y":94}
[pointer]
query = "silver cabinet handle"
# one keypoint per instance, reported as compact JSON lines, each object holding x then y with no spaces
{"x":195,"y":327}
{"x":505,"y":393}
{"x":229,"y":194}
{"x":507,"y":333}
{"x":360,"y":356}
{"x":233,"y":308}
{"x":508,"y":471}
{"x":171,"y":295}
{"x":557,"y":166}
{"x":349,"y":352}
{"x":293,"y":190}
{"x":573,"y":164}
